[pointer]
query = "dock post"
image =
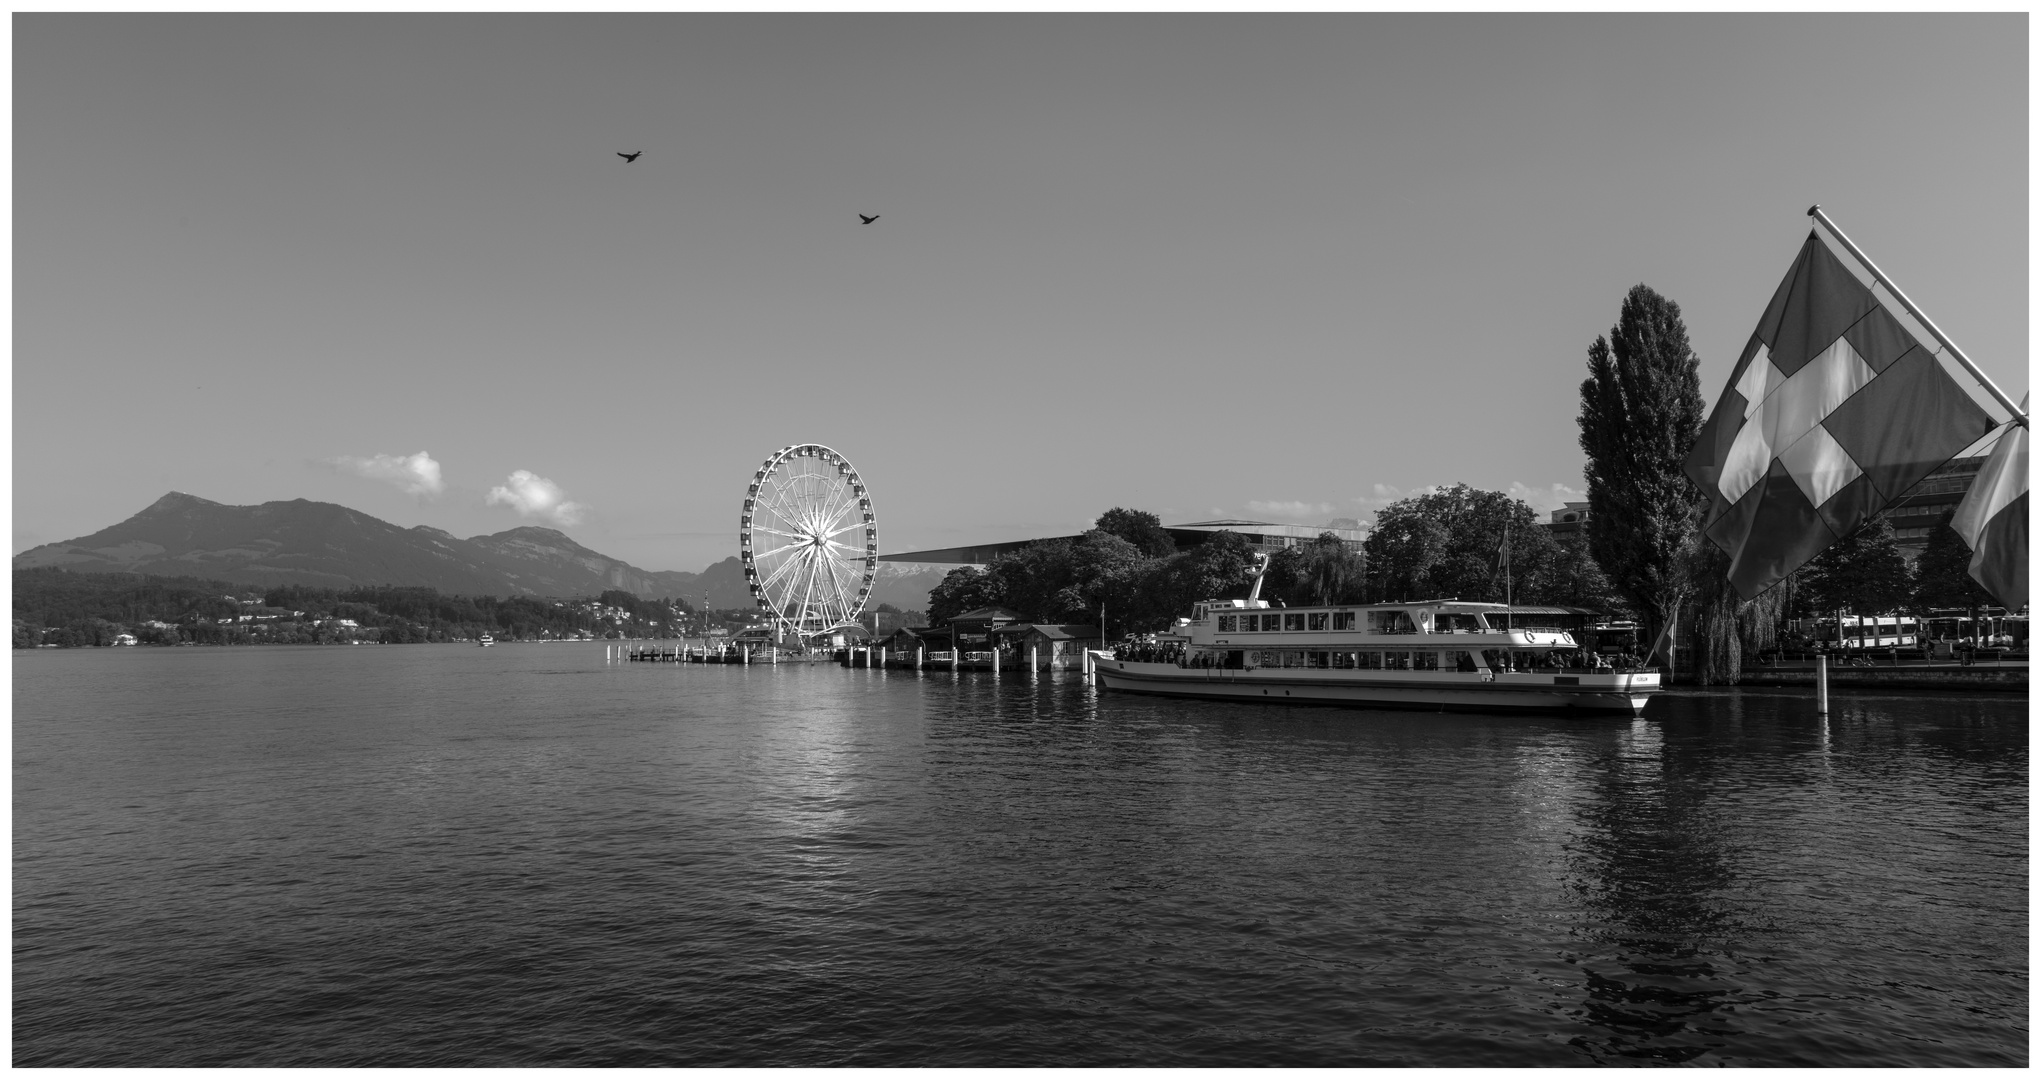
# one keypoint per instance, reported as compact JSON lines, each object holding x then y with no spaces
{"x":1034,"y":661}
{"x":917,"y":656}
{"x":1821,"y":684}
{"x":995,"y":659}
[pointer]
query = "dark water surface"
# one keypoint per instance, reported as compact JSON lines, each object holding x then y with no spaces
{"x":437,"y":855}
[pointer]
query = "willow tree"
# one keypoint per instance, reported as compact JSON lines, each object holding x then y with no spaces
{"x":1640,"y":409}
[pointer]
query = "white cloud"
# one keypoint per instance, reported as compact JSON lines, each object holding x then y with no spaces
{"x":417,"y":474}
{"x":1382,"y":495}
{"x":1546,"y":498}
{"x":1301,"y":512}
{"x":532,"y":495}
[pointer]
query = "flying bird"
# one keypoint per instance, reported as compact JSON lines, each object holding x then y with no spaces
{"x":628,"y":158}
{"x":868,"y":220}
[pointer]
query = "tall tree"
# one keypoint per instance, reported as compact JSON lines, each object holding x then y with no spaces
{"x":1464,"y":542}
{"x":1139,"y":528}
{"x":1578,"y":580}
{"x":1323,"y":571}
{"x":967,"y":588}
{"x":1164,"y":589}
{"x":1640,"y":409}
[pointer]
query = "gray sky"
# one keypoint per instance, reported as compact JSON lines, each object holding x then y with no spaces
{"x":1282,"y":267}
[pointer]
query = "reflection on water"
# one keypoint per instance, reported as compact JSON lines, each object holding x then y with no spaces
{"x":1736,"y":837}
{"x":433,"y":857}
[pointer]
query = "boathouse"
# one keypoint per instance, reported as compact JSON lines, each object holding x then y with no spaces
{"x":1054,"y":646}
{"x":973,"y":630}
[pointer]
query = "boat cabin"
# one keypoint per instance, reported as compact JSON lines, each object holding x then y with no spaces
{"x":1422,"y":635}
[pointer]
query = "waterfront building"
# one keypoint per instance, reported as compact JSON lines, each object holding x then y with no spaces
{"x":1570,"y":518}
{"x":1916,"y":512}
{"x":1053,"y":646}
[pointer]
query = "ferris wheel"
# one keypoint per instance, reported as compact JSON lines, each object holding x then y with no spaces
{"x":809,"y":542}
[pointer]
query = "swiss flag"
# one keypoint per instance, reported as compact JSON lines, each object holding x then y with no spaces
{"x":1993,"y":520}
{"x":1832,"y":412}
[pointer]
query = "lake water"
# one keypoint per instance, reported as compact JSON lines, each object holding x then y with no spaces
{"x":438,"y":855}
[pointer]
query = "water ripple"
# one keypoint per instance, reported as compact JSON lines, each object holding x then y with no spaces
{"x":455,"y":857}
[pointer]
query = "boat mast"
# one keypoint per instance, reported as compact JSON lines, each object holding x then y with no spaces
{"x":1508,"y":593}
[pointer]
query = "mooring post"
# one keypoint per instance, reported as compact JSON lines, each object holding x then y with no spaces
{"x":1821,"y":683}
{"x":995,"y":654}
{"x":1034,"y":660}
{"x":917,"y":656}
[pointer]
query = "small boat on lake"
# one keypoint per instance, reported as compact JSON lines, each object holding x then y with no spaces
{"x":487,"y":641}
{"x":1420,"y":654}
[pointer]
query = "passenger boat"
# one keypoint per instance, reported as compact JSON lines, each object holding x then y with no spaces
{"x":1421,"y":654}
{"x":487,"y":641}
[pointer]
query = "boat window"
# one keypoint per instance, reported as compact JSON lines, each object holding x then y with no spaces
{"x":1427,"y":661}
{"x":1457,"y":622}
{"x":1371,"y":661}
{"x":1229,"y":624}
{"x":1315,"y":620}
{"x":1396,"y":661}
{"x":1317,"y":660}
{"x":1293,"y":658}
{"x":1342,"y":659}
{"x":1198,"y":613}
{"x":1293,"y":620}
{"x":1342,"y":620}
{"x":1391,"y":622}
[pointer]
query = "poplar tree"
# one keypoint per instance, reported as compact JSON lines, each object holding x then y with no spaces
{"x":1640,"y":410}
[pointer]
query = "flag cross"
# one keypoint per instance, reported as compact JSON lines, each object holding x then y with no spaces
{"x":1833,"y":412}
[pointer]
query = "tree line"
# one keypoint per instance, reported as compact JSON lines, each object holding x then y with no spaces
{"x":1457,"y":542}
{"x":53,"y":606}
{"x":1639,"y":554}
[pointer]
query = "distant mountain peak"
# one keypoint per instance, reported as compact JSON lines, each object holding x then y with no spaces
{"x":539,"y":532}
{"x":178,"y":500}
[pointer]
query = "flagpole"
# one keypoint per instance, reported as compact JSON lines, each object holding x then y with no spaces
{"x":2019,"y":417}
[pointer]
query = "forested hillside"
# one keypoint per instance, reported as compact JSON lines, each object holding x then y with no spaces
{"x":59,"y":607}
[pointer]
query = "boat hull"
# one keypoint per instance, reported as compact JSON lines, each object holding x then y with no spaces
{"x":1612,"y":694}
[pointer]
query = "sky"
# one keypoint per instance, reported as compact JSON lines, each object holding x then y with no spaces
{"x":1281,"y":267}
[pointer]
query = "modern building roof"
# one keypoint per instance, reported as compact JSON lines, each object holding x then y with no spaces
{"x":1261,"y":534}
{"x":1052,"y":631}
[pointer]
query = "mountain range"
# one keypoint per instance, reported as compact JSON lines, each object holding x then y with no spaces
{"x":300,"y":542}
